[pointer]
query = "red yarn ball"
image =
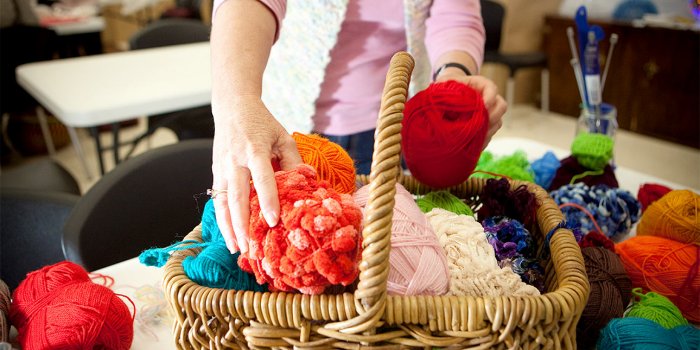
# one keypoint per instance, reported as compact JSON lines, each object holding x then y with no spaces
{"x":59,"y":307}
{"x":596,"y":239}
{"x":444,"y":129}
{"x":650,"y":193}
{"x":316,"y":242}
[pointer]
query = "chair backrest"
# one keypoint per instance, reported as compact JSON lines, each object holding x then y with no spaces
{"x":492,"y":14}
{"x":31,"y":228}
{"x":147,"y":201}
{"x":43,"y":174}
{"x":170,"y":31}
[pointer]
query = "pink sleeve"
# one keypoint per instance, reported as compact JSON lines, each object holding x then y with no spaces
{"x":277,"y":7}
{"x":455,"y":25}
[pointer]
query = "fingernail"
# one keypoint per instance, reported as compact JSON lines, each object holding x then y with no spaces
{"x":231,"y":247}
{"x":243,"y":245}
{"x":271,"y":218}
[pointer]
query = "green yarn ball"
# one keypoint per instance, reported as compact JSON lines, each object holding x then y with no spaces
{"x":443,"y":200}
{"x":593,"y":151}
{"x":515,"y":166}
{"x":657,"y":308}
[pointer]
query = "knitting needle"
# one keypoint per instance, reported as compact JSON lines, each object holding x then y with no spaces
{"x":579,"y":80}
{"x":613,"y":41}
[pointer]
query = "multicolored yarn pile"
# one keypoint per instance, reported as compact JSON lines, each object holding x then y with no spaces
{"x":59,"y":307}
{"x":331,"y":161}
{"x":443,"y":133}
{"x":471,"y":259}
{"x":317,"y":242}
{"x":515,"y":166}
{"x":615,"y":210}
{"x":417,"y":261}
{"x":515,"y":249}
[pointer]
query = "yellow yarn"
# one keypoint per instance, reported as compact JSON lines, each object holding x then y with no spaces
{"x":675,"y":216}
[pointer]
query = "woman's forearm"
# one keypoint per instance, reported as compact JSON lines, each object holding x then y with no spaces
{"x":241,"y":38}
{"x":460,"y":57}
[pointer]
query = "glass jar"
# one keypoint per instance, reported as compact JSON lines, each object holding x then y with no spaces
{"x":606,"y":124}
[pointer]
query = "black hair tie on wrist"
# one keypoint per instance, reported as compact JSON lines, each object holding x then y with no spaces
{"x":454,"y":65}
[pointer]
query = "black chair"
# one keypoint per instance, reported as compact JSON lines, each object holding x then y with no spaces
{"x":43,"y":174}
{"x":186,"y":124}
{"x":493,"y":13}
{"x":31,"y":230}
{"x":147,"y":201}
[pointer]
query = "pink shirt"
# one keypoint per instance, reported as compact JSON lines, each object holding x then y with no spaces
{"x":370,"y":34}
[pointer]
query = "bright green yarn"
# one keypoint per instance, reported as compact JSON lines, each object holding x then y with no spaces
{"x":515,"y":166}
{"x":443,"y":200}
{"x":657,"y":308}
{"x":593,"y":151}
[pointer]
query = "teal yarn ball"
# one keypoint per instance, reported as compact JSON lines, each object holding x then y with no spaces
{"x":216,"y":267}
{"x":633,"y":333}
{"x":210,"y":228}
{"x":443,"y":200}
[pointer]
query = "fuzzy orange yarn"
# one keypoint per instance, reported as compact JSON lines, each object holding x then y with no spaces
{"x":675,"y":216}
{"x":332,"y":162}
{"x":667,"y":267}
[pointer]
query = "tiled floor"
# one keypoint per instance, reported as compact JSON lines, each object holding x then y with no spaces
{"x":671,"y":162}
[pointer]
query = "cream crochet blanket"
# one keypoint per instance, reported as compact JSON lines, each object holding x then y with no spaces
{"x":472,"y":260}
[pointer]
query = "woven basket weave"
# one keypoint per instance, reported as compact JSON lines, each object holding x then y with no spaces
{"x":208,"y":318}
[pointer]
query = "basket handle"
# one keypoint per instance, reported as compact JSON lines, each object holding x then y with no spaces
{"x":371,"y":292}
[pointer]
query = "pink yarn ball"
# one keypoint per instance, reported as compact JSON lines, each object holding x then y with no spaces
{"x":417,"y":260}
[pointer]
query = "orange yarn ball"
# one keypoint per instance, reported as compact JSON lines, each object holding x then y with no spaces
{"x":667,"y":267}
{"x":332,"y":162}
{"x":674,"y":216}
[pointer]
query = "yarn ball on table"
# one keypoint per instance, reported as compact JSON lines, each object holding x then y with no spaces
{"x":655,"y":307}
{"x":596,"y":239}
{"x":545,"y":168}
{"x":649,"y":193}
{"x":444,"y":200}
{"x":515,"y":166}
{"x":615,"y":210}
{"x":593,"y":151}
{"x":497,"y":199}
{"x":570,"y":169}
{"x":667,"y":267}
{"x":675,"y":216}
{"x":315,"y":244}
{"x":443,"y":133}
{"x":634,"y":333}
{"x":610,"y":293}
{"x":418,"y":265}
{"x":472,"y":262}
{"x":331,"y":161}
{"x":59,"y":307}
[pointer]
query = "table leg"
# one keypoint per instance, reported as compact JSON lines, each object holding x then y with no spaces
{"x":44,"y":124}
{"x":98,"y":146}
{"x":79,"y":150}
{"x":115,"y":144}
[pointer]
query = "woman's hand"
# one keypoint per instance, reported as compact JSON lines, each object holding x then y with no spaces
{"x":495,"y":104}
{"x":246,"y":140}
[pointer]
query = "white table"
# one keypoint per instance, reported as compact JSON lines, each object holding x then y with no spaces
{"x":131,"y":273}
{"x":111,"y":88}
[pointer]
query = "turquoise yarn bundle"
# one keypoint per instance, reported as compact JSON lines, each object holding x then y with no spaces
{"x":214,"y":266}
{"x":634,"y":333}
{"x":515,"y":166}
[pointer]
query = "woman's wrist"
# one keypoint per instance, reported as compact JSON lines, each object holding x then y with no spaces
{"x":451,"y":69}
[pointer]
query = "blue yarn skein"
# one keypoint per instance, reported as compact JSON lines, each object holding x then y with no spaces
{"x":545,"y":169}
{"x":214,"y":266}
{"x":614,"y":209}
{"x":634,"y":333}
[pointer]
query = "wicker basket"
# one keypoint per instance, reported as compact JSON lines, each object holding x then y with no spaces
{"x":208,"y":318}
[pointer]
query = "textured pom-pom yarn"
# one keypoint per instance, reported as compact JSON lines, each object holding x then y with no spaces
{"x":675,"y":216}
{"x":444,"y":200}
{"x":417,"y":263}
{"x":331,"y":161}
{"x":472,"y":262}
{"x":59,"y":307}
{"x":443,"y":133}
{"x":498,"y":199}
{"x":315,"y":244}
{"x":515,"y":166}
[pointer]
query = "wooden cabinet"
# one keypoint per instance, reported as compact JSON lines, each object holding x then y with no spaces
{"x":654,"y":78}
